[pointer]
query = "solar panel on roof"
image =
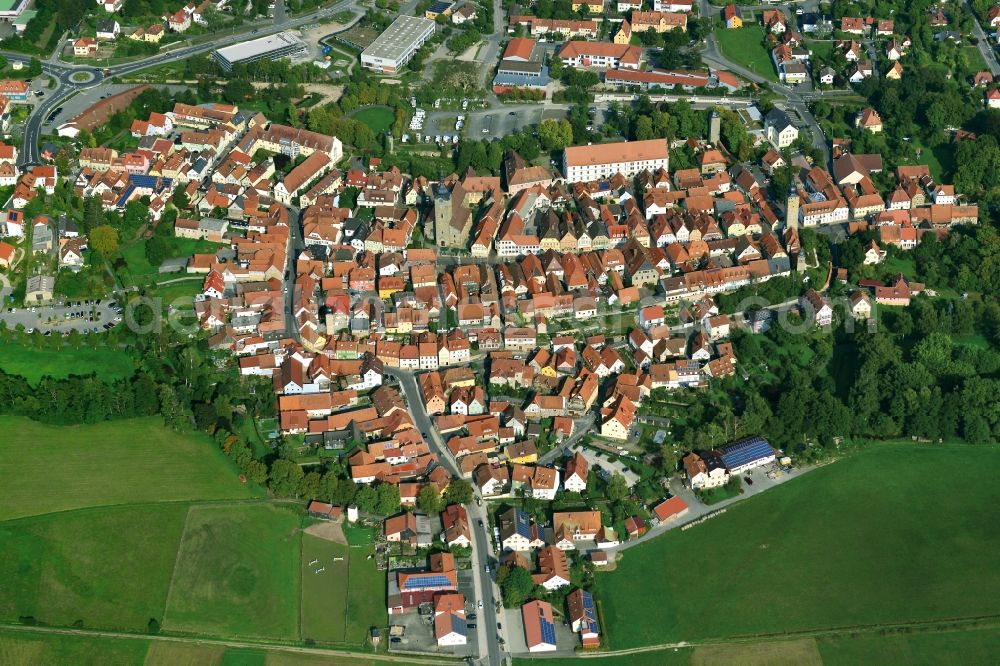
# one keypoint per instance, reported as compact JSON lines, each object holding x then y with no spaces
{"x":426,"y":581}
{"x":523,"y":524}
{"x":548,"y":632}
{"x":745,"y":451}
{"x":439,"y":7}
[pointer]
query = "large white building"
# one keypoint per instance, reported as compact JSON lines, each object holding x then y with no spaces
{"x":603,"y":160}
{"x":393,"y":48}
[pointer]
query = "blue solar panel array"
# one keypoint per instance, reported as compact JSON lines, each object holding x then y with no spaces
{"x":548,"y":631}
{"x":439,"y":7}
{"x":745,"y":451}
{"x":522,"y":524}
{"x":458,"y":625}
{"x":420,"y":582}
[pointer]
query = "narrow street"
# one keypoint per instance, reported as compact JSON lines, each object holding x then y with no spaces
{"x":482,"y":551}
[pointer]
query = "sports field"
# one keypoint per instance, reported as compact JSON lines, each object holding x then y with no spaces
{"x":237,"y":573}
{"x":54,"y":468}
{"x":33,"y":364}
{"x":887,"y":536}
{"x":378,"y":118}
{"x":109,"y":567}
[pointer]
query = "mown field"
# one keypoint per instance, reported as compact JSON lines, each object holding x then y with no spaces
{"x":54,"y":468}
{"x":21,"y":648}
{"x":228,"y":569}
{"x":107,"y":567}
{"x":237,"y":573}
{"x":950,"y":648}
{"x":33,"y":364}
{"x":883,"y":537}
{"x":324,"y":594}
{"x":365,"y":596}
{"x":745,"y":46}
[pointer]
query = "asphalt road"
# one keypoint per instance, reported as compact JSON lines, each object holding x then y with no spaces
{"x":482,"y":552}
{"x":985,"y":46}
{"x":66,"y":86}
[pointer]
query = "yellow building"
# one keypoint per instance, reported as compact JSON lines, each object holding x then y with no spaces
{"x":441,"y":8}
{"x":593,"y":6}
{"x":624,"y":34}
{"x":658,"y":21}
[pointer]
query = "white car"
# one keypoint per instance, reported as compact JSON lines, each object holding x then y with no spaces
{"x":480,"y":603}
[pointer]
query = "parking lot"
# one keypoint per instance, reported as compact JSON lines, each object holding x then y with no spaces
{"x":95,"y":316}
{"x":608,"y":462}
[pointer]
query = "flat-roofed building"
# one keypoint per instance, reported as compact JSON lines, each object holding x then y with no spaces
{"x":396,"y":45}
{"x":272,"y":47}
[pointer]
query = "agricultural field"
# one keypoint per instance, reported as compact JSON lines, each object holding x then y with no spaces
{"x":745,"y":46}
{"x":948,"y":648}
{"x":19,"y":648}
{"x":237,"y":573}
{"x":822,"y":551}
{"x":24,"y":648}
{"x":957,"y":648}
{"x":33,"y":364}
{"x":55,"y":468}
{"x":108,"y":567}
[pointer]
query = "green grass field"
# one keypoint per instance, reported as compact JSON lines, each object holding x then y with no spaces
{"x":881,"y":537}
{"x":180,"y":294}
{"x":975,"y":58}
{"x":55,"y":468}
{"x":33,"y":364}
{"x":135,"y":254}
{"x":365,"y":596}
{"x":237,"y":573}
{"x":958,"y":648}
{"x":109,"y":567}
{"x":22,"y":648}
{"x":359,"y":536}
{"x":19,"y":648}
{"x":745,"y":46}
{"x":324,"y":595}
{"x":378,"y":118}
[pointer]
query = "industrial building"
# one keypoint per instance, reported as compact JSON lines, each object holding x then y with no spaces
{"x":281,"y":45}
{"x":395,"y":47}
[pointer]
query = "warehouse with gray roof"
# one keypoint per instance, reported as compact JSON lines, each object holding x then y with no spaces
{"x":272,"y":47}
{"x":395,"y":47}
